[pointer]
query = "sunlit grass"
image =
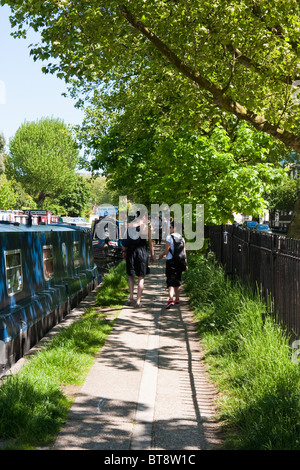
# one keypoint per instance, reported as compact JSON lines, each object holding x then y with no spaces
{"x":114,"y":287}
{"x":33,"y":406}
{"x":249,"y":359}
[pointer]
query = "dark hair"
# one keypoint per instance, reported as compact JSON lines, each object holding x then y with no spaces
{"x":172,"y":224}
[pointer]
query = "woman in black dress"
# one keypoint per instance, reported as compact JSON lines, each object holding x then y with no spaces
{"x":136,"y":255}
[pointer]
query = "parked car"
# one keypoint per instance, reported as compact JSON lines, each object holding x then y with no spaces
{"x":249,"y":224}
{"x":262,"y":228}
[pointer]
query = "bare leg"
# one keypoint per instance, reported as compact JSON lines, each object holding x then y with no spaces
{"x":177,"y":292}
{"x":171,"y":292}
{"x":131,"y":286}
{"x":141,"y":282}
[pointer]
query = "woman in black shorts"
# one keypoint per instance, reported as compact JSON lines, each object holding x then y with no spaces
{"x":173,"y":274}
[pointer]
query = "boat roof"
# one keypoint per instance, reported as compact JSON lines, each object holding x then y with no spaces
{"x":16,"y":227}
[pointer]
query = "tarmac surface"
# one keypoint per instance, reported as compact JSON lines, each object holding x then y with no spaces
{"x":148,"y":389}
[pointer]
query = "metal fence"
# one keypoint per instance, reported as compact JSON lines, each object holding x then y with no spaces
{"x":269,"y":262}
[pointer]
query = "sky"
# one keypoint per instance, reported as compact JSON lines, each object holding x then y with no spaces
{"x":26,"y":93}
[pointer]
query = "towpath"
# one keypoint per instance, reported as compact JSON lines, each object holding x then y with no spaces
{"x":148,"y":389}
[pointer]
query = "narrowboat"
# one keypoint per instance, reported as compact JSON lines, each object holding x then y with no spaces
{"x":45,"y":271}
{"x":105,"y":233}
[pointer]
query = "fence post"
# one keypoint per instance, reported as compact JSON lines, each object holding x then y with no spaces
{"x":249,"y":272}
{"x":275,"y":252}
{"x":221,"y":243}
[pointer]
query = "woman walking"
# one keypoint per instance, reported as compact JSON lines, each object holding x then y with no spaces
{"x":174,"y":270}
{"x":136,"y":254}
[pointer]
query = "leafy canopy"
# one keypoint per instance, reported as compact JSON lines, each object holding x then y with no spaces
{"x":221,"y":59}
{"x":151,"y":153}
{"x":239,"y":56}
{"x":43,"y":157}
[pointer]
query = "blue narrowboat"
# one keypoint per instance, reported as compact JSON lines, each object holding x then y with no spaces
{"x":45,"y":271}
{"x":105,"y":232}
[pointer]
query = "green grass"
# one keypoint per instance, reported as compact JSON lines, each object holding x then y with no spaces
{"x":250,"y":360}
{"x":33,"y":406}
{"x":114,"y":287}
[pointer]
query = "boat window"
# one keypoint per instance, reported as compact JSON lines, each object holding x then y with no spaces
{"x":48,"y":262}
{"x":76,"y":258}
{"x":14,"y":274}
{"x":64,"y":254}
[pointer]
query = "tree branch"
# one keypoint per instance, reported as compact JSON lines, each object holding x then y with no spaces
{"x":219,"y":97}
{"x":250,"y":64}
{"x":231,"y":73}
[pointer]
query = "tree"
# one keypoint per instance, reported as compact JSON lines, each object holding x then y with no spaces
{"x":100,"y":192}
{"x":284,"y":195}
{"x":23,"y":200}
{"x":7,"y":194}
{"x":153,"y":160}
{"x":12,"y":194}
{"x":224,"y":58}
{"x":239,"y":56}
{"x":43,"y":157}
{"x":77,"y":202}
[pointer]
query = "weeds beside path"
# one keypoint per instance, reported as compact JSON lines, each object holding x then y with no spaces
{"x":33,"y":405}
{"x":249,"y":359}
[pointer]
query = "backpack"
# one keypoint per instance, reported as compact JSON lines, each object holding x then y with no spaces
{"x":178,"y":254}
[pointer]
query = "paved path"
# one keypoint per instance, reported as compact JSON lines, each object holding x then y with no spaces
{"x":148,"y":389}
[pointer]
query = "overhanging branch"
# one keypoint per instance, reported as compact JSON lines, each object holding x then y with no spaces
{"x":219,"y":97}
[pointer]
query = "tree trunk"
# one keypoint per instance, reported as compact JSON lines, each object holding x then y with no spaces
{"x":41,"y":199}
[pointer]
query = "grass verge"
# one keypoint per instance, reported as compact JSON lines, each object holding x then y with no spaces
{"x":33,"y":406}
{"x":249,"y":359}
